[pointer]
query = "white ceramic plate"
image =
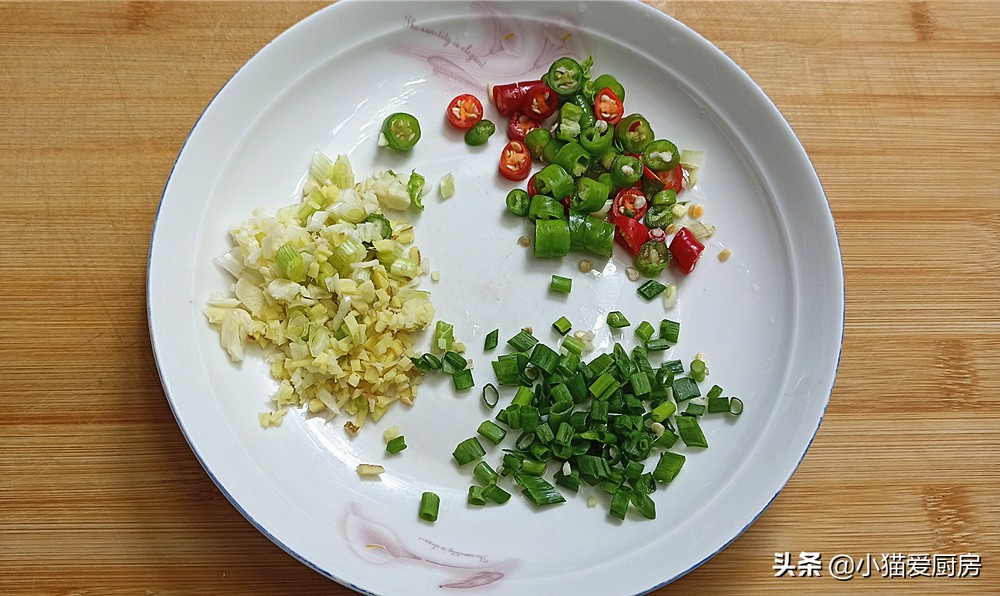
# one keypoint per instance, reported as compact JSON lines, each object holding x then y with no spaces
{"x":769,"y":320}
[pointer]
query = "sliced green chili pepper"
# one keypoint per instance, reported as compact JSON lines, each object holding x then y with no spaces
{"x":634,"y":133}
{"x":659,"y":216}
{"x":653,"y":257}
{"x":607,"y":178}
{"x":555,"y":181}
{"x":575,"y":159}
{"x":626,"y":171}
{"x":536,"y":140}
{"x":597,"y":141}
{"x":661,"y":155}
{"x":543,"y":207}
{"x":667,"y":196}
{"x":577,"y":230}
{"x":587,"y":118}
{"x":589,"y":195}
{"x":551,"y":238}
{"x":565,"y":76}
{"x":599,"y":236}
{"x":384,"y":227}
{"x":401,"y":130}
{"x":518,"y":202}
{"x":551,"y":149}
{"x":480,"y":133}
{"x":604,"y":163}
{"x":569,"y":122}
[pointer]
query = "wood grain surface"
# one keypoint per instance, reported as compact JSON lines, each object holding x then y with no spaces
{"x":897,"y":103}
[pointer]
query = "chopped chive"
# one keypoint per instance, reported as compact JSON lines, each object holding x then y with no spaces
{"x":569,"y":481}
{"x":454,"y":363}
{"x":651,"y":289}
{"x":538,"y":490}
{"x":429,"y":505}
{"x":604,"y":386}
{"x":644,"y":331}
{"x":663,"y":411}
{"x":643,"y":504}
{"x":561,"y":284}
{"x":421,"y":364}
{"x":496,"y":494}
{"x":492,"y":339}
{"x":573,"y":345}
{"x":523,"y":396}
{"x":524,"y":441}
{"x":619,"y":503}
{"x":698,"y":370}
{"x":601,"y":363}
{"x":493,"y":432}
{"x":395,"y":445}
{"x":491,"y":395}
{"x":532,"y":467}
{"x":640,"y":384}
{"x":674,"y":366}
{"x":468,"y":450}
{"x":670,"y":330}
{"x":544,"y":358}
{"x":668,"y":466}
{"x":715,"y":391}
{"x":562,"y":326}
{"x":694,"y":409}
{"x":735,"y":406}
{"x":718,"y":404}
{"x":485,"y":474}
{"x":616,"y":320}
{"x":657,"y":345}
{"x":684,"y":389}
{"x":444,"y":335}
{"x":540,"y":451}
{"x":506,"y":370}
{"x":690,"y":432}
{"x":523,"y":341}
{"x":544,"y":433}
{"x":476,"y":496}
{"x":463,"y":380}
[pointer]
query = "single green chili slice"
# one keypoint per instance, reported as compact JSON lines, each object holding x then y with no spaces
{"x":649,"y":290}
{"x":395,"y":445}
{"x":544,"y":207}
{"x":569,"y":122}
{"x":518,"y":202}
{"x":690,"y":431}
{"x":633,"y":133}
{"x":626,"y":171}
{"x":574,"y":159}
{"x":480,"y":133}
{"x":551,"y":150}
{"x":561,"y":285}
{"x":599,"y":236}
{"x":536,"y":140}
{"x":653,"y":258}
{"x":597,"y":139}
{"x":415,"y":188}
{"x":565,"y":76}
{"x":468,"y":450}
{"x":551,"y":238}
{"x":589,"y":195}
{"x":429,"y":505}
{"x":644,"y":331}
{"x":667,"y":196}
{"x":661,"y":155}
{"x":659,"y":216}
{"x":553,"y":180}
{"x":401,"y":130}
{"x":587,"y":117}
{"x":616,"y":320}
{"x":492,"y":339}
{"x":493,"y":432}
{"x":562,"y":325}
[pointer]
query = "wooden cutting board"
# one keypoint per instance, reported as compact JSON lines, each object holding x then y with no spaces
{"x":897,"y":103}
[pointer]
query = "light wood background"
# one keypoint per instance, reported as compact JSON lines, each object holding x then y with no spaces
{"x":897,"y":103}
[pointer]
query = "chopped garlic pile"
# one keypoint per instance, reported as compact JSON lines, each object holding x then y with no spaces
{"x":329,"y":288}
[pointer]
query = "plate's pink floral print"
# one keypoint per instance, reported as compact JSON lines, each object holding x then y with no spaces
{"x":377,"y":544}
{"x":502,"y":49}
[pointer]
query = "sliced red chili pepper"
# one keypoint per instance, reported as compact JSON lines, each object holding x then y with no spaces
{"x":464,"y":111}
{"x":630,"y":233}
{"x":672,"y":179}
{"x":686,"y":249}
{"x":515,"y":161}
{"x":608,"y":107}
{"x":629,"y":202}
{"x":510,"y":97}
{"x":541,"y":102}
{"x":531,"y":185}
{"x":520,"y":125}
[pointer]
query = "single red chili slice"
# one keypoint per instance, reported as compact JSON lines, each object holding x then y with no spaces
{"x":608,"y":107}
{"x":629,"y":202}
{"x":515,"y":161}
{"x":532,"y":191}
{"x":686,"y":250}
{"x":541,"y":102}
{"x":510,"y":97}
{"x":464,"y":111}
{"x":630,"y":233}
{"x":520,"y":125}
